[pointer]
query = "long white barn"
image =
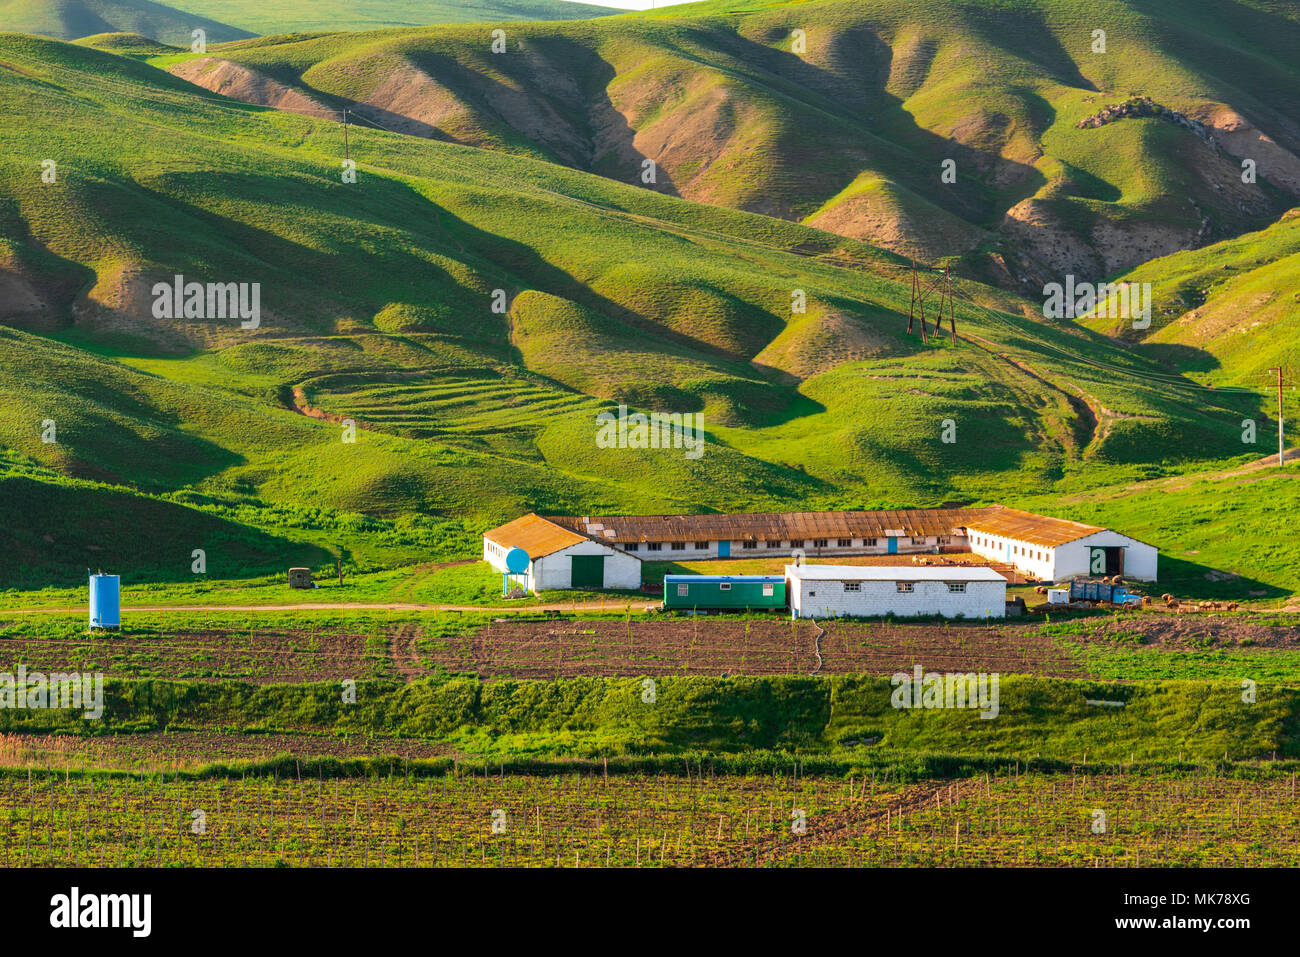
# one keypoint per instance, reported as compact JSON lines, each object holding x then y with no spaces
{"x":606,"y":551}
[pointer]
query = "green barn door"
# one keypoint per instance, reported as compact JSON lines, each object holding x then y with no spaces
{"x":588,"y":571}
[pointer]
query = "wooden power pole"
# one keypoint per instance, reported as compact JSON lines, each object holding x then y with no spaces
{"x":1281,"y":453}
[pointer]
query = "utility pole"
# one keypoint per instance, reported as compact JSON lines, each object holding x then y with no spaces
{"x":1281,"y":454}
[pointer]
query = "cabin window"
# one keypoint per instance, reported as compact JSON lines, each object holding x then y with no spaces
{"x":918,"y":539}
{"x":819,"y":543}
{"x":844,"y":542}
{"x":679,"y":546}
{"x":654,"y":546}
{"x":853,"y":586}
{"x":869,"y":542}
{"x":701,"y":546}
{"x":956,"y":586}
{"x":904,"y":586}
{"x":770,"y":543}
{"x":632,"y":546}
{"x":796,"y":543}
{"x":749,"y":544}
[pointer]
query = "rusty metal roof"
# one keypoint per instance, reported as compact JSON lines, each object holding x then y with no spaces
{"x":537,"y":536}
{"x":784,"y":526}
{"x":760,"y":526}
{"x":1028,"y":527}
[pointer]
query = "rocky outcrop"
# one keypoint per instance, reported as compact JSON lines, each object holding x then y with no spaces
{"x":1140,"y":106}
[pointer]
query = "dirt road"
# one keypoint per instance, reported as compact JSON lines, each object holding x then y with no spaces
{"x":639,"y":605}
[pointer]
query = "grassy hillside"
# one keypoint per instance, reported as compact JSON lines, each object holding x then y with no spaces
{"x":314,"y":16}
{"x":73,"y":19}
{"x":377,"y":301}
{"x":845,"y":716}
{"x":1230,"y":311}
{"x":850,"y":133}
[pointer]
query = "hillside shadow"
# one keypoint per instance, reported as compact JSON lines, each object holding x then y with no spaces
{"x":1179,"y":358}
{"x":357,"y":272}
{"x":565,"y":131}
{"x":877,"y":119}
{"x":51,"y":533}
{"x":1186,"y":579}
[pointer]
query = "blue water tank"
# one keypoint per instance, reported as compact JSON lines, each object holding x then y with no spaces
{"x":105,"y":601}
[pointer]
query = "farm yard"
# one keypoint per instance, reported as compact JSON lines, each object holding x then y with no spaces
{"x":1004,"y":816}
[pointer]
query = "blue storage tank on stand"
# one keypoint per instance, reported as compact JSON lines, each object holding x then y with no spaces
{"x":105,"y":601}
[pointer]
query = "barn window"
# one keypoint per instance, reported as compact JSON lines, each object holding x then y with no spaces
{"x":701,"y":546}
{"x":844,"y":542}
{"x":749,"y":544}
{"x":683,"y":590}
{"x":819,"y":543}
{"x":956,"y":586}
{"x":679,"y":546}
{"x":904,"y":586}
{"x":853,"y":586}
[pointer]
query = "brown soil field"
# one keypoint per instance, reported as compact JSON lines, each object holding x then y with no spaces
{"x":1180,"y":631}
{"x":717,"y":646}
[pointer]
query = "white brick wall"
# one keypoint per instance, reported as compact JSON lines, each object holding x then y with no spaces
{"x":556,"y":570}
{"x":1139,"y":558}
{"x":760,"y":549}
{"x":818,"y":599}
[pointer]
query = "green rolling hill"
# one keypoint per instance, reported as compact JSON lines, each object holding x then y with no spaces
{"x":377,"y":307}
{"x":320,"y":16}
{"x":74,"y":19}
{"x":226,"y":20}
{"x":1229,"y":311}
{"x":1065,"y":160}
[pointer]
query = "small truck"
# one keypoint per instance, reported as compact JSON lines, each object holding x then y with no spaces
{"x":1103,"y":592}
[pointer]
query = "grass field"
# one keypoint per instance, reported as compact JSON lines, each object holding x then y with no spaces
{"x":1001,"y":818}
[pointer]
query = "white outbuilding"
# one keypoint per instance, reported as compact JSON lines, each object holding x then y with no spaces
{"x":864,"y":591}
{"x":559,"y":558}
{"x":1055,"y":550}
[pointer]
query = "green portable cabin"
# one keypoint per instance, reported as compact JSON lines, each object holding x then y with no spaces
{"x":723,"y":591}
